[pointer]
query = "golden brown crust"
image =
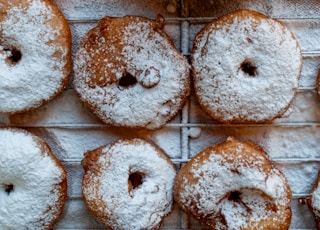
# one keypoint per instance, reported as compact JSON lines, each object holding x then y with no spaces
{"x":108,"y":28}
{"x":64,"y":39}
{"x":318,"y":85}
{"x":60,"y":188}
{"x":308,"y":201}
{"x":89,"y":164}
{"x":234,"y":160}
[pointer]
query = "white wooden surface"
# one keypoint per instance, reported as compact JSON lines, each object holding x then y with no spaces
{"x":293,"y":142}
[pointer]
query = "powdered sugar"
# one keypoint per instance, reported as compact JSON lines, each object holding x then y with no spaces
{"x":142,"y":50}
{"x":142,"y":207}
{"x":208,"y":189}
{"x":39,"y":72}
{"x":246,"y":69}
{"x":34,"y":177}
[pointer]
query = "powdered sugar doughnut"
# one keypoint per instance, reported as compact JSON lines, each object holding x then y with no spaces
{"x":313,"y":200}
{"x":35,"y":54}
{"x":33,"y":183}
{"x":128,"y":184}
{"x":233,"y":185}
{"x":246,"y":68}
{"x":128,"y":72}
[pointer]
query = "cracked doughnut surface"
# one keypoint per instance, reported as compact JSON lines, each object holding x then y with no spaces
{"x":233,"y":185}
{"x":128,"y":72}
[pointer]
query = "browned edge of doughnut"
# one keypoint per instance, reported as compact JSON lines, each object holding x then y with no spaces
{"x":63,"y":185}
{"x":318,"y":85}
{"x":66,"y":38}
{"x":308,"y":200}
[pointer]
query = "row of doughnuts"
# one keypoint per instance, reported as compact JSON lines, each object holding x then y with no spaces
{"x":132,"y":184}
{"x":127,"y":71}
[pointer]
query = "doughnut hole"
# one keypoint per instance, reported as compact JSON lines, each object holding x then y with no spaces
{"x":234,"y":196}
{"x":249,"y":68}
{"x":135,"y":179}
{"x":13,"y":56}
{"x":127,"y":80}
{"x":251,"y":199}
{"x":8,"y":188}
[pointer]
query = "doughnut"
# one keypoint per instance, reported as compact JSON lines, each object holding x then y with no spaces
{"x":33,"y":183}
{"x":233,"y":185}
{"x":35,"y":54}
{"x":128,"y":184}
{"x":318,"y":85}
{"x":245,"y":67}
{"x":313,"y":201}
{"x":129,"y":73}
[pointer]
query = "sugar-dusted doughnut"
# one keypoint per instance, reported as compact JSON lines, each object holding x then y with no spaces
{"x":246,"y":68}
{"x":233,"y":185}
{"x":35,"y":54}
{"x":33,"y":183}
{"x":313,"y":200}
{"x":128,"y":184}
{"x":129,"y":73}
